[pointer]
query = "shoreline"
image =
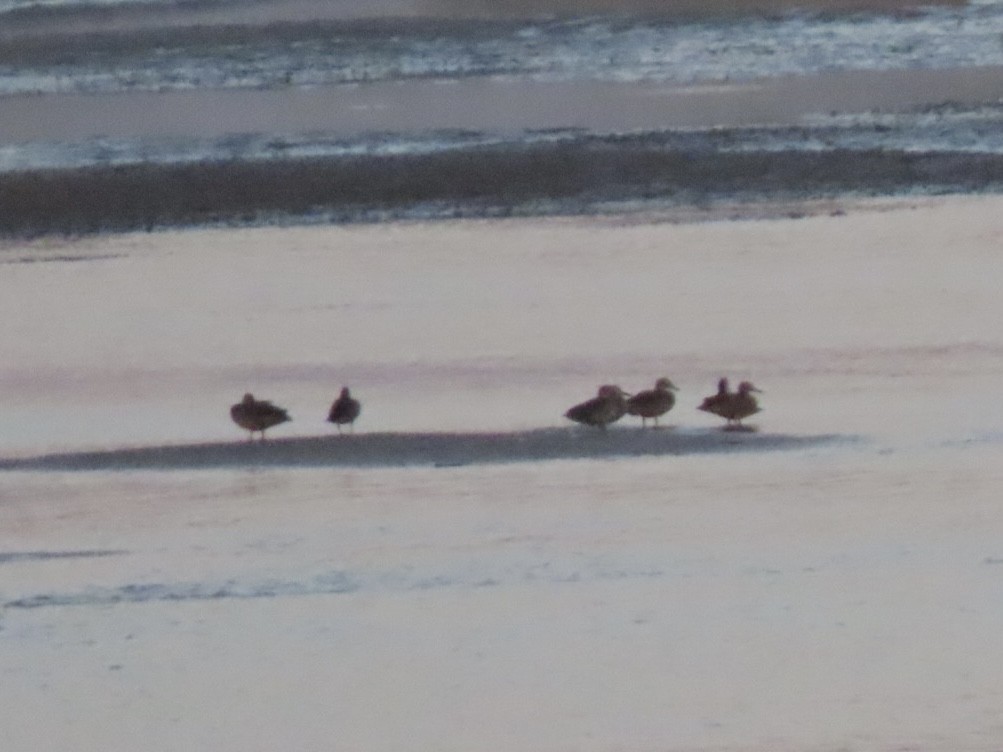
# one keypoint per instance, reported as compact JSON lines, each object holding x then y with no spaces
{"x":59,"y":248}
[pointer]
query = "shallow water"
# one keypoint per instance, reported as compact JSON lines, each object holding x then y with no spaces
{"x":324,"y":88}
{"x":591,"y":48}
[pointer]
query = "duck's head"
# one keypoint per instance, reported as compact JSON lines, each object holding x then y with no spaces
{"x":747,"y":386}
{"x":664,"y":385}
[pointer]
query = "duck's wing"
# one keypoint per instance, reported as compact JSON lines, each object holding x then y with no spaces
{"x":272,"y":413}
{"x":583,"y":412}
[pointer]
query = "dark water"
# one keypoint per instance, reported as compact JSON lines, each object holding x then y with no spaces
{"x":591,"y":48}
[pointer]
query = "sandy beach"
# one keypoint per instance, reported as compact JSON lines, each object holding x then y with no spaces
{"x":833,"y":595}
{"x":204,"y":200}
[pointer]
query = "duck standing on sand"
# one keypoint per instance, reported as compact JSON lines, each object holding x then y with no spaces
{"x":608,"y":406}
{"x":257,"y":415}
{"x":653,"y":402}
{"x":743,"y":404}
{"x":344,"y":410}
{"x":733,"y":407}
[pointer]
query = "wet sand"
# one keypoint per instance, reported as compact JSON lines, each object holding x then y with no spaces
{"x":422,"y":449}
{"x":494,"y":105}
{"x":834,"y":595}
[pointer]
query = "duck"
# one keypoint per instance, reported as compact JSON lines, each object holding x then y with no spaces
{"x":652,"y":403}
{"x":742,"y":404}
{"x":344,"y":410}
{"x":257,"y":415}
{"x":713,"y":403}
{"x":732,"y":406}
{"x":608,"y":406}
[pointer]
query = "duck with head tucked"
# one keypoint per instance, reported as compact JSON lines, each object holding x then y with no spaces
{"x":733,"y":406}
{"x":608,"y":406}
{"x":257,"y":415}
{"x":344,"y":410}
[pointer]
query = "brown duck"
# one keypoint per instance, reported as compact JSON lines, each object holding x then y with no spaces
{"x":608,"y":406}
{"x":716,"y":401}
{"x":652,"y":403}
{"x":257,"y":415}
{"x":344,"y":410}
{"x":733,"y":407}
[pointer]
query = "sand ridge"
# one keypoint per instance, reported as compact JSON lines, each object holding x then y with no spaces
{"x":423,"y":449}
